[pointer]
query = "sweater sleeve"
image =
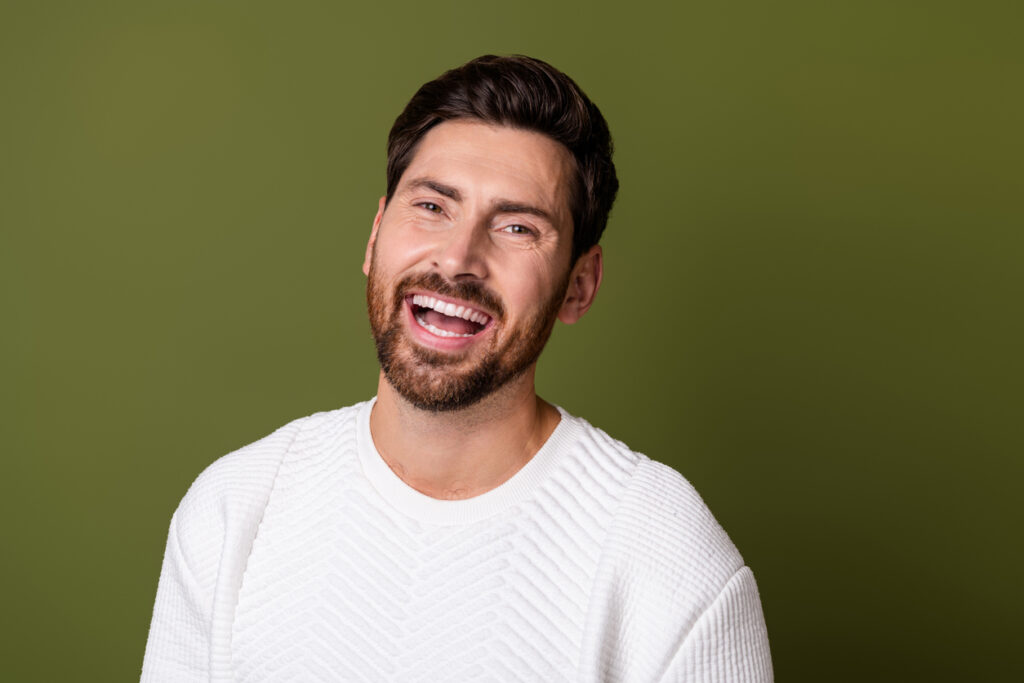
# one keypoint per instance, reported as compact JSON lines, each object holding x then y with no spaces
{"x":208,"y":546}
{"x":729,"y":643}
{"x":178,"y":647}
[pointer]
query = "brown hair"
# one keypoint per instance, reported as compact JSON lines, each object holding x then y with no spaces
{"x":526,"y":93}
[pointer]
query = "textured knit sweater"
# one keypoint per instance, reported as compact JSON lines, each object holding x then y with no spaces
{"x":303,"y":557}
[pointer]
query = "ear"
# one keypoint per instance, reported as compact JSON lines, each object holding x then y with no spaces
{"x":368,"y":257}
{"x":584,"y":282}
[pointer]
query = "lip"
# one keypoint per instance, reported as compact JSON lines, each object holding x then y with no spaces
{"x":427,"y":338}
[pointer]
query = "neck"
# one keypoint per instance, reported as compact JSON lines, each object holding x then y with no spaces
{"x":461,"y":453}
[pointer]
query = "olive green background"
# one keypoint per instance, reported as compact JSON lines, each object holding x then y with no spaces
{"x":812,"y":302}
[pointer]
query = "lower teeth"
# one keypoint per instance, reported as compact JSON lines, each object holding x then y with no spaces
{"x":438,"y":331}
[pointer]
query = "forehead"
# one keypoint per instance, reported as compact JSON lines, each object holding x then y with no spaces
{"x":483,"y":160}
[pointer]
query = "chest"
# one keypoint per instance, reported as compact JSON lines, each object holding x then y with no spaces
{"x":340,"y":587}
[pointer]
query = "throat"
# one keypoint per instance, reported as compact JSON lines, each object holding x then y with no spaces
{"x":496,"y":439}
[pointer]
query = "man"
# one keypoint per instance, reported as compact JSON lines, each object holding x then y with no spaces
{"x":458,"y":527}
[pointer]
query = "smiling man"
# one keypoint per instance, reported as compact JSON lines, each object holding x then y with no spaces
{"x":458,"y":527}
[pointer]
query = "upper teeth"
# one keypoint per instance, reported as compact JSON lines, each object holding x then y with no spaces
{"x":450,"y":309}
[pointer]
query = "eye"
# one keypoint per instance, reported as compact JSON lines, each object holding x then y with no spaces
{"x":516,"y":229}
{"x":431,"y":207}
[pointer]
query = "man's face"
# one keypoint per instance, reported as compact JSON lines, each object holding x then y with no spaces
{"x":468,"y":263}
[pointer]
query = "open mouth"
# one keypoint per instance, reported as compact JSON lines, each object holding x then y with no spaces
{"x":445,"y":319}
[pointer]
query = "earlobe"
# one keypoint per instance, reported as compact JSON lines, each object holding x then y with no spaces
{"x":584,"y":282}
{"x":368,"y":257}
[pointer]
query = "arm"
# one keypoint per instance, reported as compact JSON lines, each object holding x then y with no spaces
{"x":178,"y":648}
{"x":208,"y":546}
{"x":729,"y":642}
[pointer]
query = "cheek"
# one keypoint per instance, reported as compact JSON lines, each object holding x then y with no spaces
{"x":530,"y":291}
{"x":397,"y":248}
{"x":543,"y":274}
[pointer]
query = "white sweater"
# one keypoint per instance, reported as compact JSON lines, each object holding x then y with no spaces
{"x":303,"y":557}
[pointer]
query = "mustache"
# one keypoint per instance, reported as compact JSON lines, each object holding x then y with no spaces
{"x":473,"y":292}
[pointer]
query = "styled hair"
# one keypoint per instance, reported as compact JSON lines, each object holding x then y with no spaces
{"x":521,"y":92}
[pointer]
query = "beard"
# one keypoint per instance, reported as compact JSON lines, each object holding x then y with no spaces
{"x":437,"y":381}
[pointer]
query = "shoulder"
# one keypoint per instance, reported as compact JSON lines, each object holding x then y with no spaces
{"x":234,"y":489}
{"x":665,"y":563}
{"x":665,"y":523}
{"x":697,"y":605}
{"x":661,"y":523}
{"x":662,"y":534}
{"x":600,"y":455}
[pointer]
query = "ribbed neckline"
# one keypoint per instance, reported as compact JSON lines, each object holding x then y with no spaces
{"x":521,"y":486}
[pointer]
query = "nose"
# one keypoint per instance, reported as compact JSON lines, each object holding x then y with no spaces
{"x":461,"y":255}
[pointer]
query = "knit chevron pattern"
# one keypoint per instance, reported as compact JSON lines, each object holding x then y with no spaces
{"x":303,"y":558}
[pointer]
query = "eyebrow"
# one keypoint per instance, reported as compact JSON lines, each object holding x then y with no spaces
{"x":440,"y":188}
{"x":515,"y":207}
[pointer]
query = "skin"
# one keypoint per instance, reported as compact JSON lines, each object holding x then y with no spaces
{"x":488,"y":204}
